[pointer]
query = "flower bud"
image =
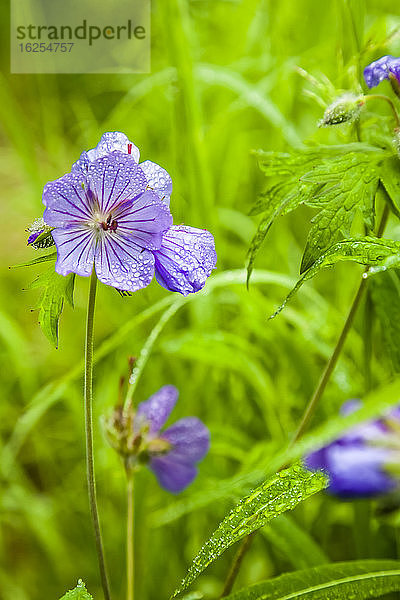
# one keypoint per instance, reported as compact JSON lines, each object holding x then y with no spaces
{"x":40,"y":235}
{"x":344,"y":109}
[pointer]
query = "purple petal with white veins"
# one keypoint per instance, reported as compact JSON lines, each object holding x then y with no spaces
{"x":114,"y":179}
{"x":190,"y":439}
{"x":109,"y":142}
{"x":158,"y":179}
{"x":145,"y":219}
{"x":122,"y":264}
{"x":185,"y":260}
{"x":75,"y":250}
{"x":172,"y":475}
{"x":156,"y":410}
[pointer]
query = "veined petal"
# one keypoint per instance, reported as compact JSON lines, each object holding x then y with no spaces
{"x":172,"y":475}
{"x":158,"y":180}
{"x":114,"y":179}
{"x":120,"y":263}
{"x":75,"y":250}
{"x":380,"y":69}
{"x":109,"y":142}
{"x":185,"y":260}
{"x":190,"y":439}
{"x":145,"y":219}
{"x":66,"y":201}
{"x":155,"y":411}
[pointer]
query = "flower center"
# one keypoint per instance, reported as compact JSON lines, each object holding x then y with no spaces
{"x":109,"y":224}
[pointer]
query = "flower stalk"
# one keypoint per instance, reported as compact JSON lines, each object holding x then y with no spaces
{"x":130,"y":537}
{"x":90,"y":473}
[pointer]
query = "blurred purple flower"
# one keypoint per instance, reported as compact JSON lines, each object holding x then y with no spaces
{"x":357,"y":462}
{"x":113,"y":213}
{"x":174,"y":452}
{"x":381,"y":69}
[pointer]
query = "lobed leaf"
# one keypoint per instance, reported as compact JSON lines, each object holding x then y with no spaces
{"x":370,"y":251}
{"x":37,"y":260}
{"x":359,"y":580}
{"x":280,"y":493}
{"x":78,"y":593}
{"x":54,"y":290}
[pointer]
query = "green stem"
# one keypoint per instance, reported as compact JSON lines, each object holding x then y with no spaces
{"x":237,"y":561}
{"x":130,"y":538}
{"x":89,"y":434}
{"x":389,"y":101}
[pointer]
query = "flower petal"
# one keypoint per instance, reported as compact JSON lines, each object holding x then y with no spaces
{"x":158,"y":180}
{"x":66,"y":201}
{"x":379,"y":70}
{"x":145,"y":219}
{"x":75,"y":250}
{"x":172,"y":475}
{"x":123,"y":264}
{"x":358,"y":471}
{"x":156,"y":410}
{"x":109,"y":142}
{"x":185,"y":260}
{"x":190,"y":439}
{"x":114,"y":179}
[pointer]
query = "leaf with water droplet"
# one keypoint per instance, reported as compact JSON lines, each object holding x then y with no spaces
{"x":78,"y":593}
{"x":359,"y":579}
{"x":376,"y":252}
{"x":54,"y":290}
{"x":272,"y":498}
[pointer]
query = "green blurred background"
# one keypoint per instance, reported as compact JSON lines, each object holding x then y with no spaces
{"x":227,"y":77}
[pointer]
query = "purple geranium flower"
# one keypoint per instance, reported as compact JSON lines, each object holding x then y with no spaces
{"x":113,"y":213}
{"x":381,"y":69}
{"x":174,"y":452}
{"x":357,"y":462}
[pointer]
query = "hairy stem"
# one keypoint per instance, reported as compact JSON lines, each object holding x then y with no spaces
{"x":89,"y":434}
{"x":130,"y":538}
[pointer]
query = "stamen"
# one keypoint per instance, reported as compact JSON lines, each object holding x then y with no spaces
{"x":129,"y":148}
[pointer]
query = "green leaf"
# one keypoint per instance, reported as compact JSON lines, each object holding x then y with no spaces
{"x":340,"y":180}
{"x":54,"y":289}
{"x":351,"y":184}
{"x":353,"y":580}
{"x":376,"y":252}
{"x":385,"y":294}
{"x":281,"y":493}
{"x":78,"y":593}
{"x":37,"y":260}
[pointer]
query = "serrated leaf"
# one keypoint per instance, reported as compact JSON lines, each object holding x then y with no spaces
{"x":55,"y":289}
{"x":353,"y":580}
{"x":281,"y":493}
{"x":78,"y":593}
{"x":385,"y":294}
{"x":351,"y":182}
{"x":366,"y":251}
{"x":339,"y":179}
{"x":37,"y":260}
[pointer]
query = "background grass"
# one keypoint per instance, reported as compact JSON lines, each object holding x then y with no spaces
{"x":227,"y":77}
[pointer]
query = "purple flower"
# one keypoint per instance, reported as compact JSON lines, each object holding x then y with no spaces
{"x":113,"y":213}
{"x":174,"y":452}
{"x":357,"y":462}
{"x":381,"y":69}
